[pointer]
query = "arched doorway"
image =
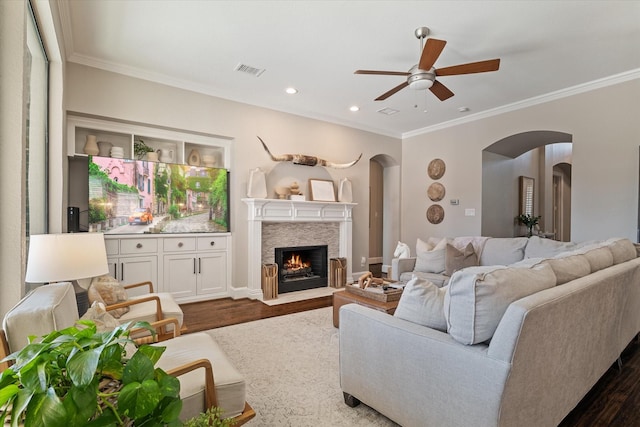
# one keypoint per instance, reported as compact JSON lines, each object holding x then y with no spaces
{"x":532,"y":154}
{"x":384,"y":211}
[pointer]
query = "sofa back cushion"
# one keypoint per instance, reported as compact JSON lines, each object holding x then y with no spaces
{"x":422,"y":302}
{"x":568,"y":267}
{"x":503,"y":250}
{"x":598,"y":255}
{"x":546,"y":248}
{"x":621,"y":249}
{"x":477,"y":297}
{"x":430,"y":258}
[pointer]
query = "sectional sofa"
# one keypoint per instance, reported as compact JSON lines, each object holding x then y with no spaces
{"x":516,"y":344}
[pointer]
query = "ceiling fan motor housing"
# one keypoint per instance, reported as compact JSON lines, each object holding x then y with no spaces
{"x":421,"y":79}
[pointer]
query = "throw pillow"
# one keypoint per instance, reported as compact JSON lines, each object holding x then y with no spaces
{"x":422,"y":302}
{"x":503,"y":250}
{"x":455,"y":259}
{"x":98,"y":314}
{"x":477,"y":297}
{"x":107,"y":290}
{"x":430,"y":259}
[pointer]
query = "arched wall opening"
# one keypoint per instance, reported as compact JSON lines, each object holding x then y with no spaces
{"x":531,"y":154}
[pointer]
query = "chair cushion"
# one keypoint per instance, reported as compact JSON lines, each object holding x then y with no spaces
{"x":477,"y":297}
{"x":146,"y":311}
{"x":46,"y":308}
{"x":422,"y":302}
{"x":229,"y":383}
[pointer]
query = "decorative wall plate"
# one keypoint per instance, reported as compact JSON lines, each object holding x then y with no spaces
{"x":435,"y":214}
{"x":436,"y":168}
{"x":436,"y":192}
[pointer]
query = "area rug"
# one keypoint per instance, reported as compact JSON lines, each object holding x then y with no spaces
{"x":292,"y":370}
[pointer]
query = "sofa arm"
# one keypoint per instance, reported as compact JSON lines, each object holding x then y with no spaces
{"x":401,"y":265}
{"x":416,"y":375}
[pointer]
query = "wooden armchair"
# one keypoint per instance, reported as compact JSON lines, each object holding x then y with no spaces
{"x":150,"y":307}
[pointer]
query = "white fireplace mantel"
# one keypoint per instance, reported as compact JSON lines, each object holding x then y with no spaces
{"x":276,"y":210}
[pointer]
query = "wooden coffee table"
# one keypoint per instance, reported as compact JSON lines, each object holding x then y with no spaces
{"x":343,"y":297}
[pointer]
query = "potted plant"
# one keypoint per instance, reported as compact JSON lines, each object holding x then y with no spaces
{"x":211,"y":418}
{"x":140,"y":149}
{"x":80,"y":377}
{"x":529,"y":221}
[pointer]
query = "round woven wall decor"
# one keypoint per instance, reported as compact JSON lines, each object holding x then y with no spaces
{"x":436,"y":192}
{"x":435,"y":214}
{"x":436,"y":168}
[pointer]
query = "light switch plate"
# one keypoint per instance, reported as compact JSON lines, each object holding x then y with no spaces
{"x":470,"y":212}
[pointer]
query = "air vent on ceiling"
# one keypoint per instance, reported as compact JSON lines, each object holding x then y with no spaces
{"x":249,"y":70}
{"x":388,"y":111}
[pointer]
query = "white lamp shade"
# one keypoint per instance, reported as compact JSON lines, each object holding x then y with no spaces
{"x":65,"y":257}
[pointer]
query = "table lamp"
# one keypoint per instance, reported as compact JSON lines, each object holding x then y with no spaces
{"x":67,"y":257}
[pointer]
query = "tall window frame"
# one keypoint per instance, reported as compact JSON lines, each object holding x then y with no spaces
{"x":36,"y":69}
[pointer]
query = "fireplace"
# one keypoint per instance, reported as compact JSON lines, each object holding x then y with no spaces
{"x":301,"y":267}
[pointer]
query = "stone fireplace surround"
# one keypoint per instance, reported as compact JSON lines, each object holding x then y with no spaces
{"x":283,"y":222}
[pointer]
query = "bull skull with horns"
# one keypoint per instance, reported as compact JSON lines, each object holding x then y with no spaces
{"x":302,"y":159}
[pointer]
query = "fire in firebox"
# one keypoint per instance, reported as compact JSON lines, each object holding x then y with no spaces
{"x":294,"y":266}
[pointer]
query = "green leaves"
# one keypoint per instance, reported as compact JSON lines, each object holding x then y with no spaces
{"x":55,"y":382}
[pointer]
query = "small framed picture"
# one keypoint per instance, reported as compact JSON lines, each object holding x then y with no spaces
{"x":322,"y":190}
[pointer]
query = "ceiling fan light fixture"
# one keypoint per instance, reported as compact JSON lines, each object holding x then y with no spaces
{"x":291,"y":90}
{"x":421,"y":84}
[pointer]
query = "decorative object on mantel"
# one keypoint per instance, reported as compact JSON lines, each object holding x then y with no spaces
{"x":257,"y":184}
{"x":117,"y":152}
{"x":104,"y":148}
{"x":140,"y":149}
{"x":436,"y":169}
{"x":152,"y":156}
{"x":294,"y":188}
{"x":303,"y":159}
{"x":208,"y":160}
{"x":436,"y":192}
{"x":435,"y":214}
{"x":322,"y":190}
{"x":282,"y":192}
{"x":194,"y":158}
{"x":166,"y":155}
{"x":91,"y":146}
{"x":345,"y":193}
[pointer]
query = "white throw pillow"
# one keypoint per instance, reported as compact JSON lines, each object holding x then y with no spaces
{"x":503,"y":250}
{"x":477,"y":297}
{"x":429,"y":258}
{"x":422,"y":302}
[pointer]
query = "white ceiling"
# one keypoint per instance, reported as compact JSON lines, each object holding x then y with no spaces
{"x":315,"y":46}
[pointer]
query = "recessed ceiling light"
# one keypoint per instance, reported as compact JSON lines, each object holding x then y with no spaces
{"x":291,"y":90}
{"x":354,"y":108}
{"x":388,"y":111}
{"x":463,"y":109}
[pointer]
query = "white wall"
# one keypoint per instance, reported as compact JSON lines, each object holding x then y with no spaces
{"x":606,"y":134}
{"x":98,"y":92}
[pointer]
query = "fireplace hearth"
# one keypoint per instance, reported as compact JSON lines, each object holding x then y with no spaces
{"x":301,"y":268}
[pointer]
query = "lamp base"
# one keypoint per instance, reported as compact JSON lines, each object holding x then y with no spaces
{"x":82,"y":298}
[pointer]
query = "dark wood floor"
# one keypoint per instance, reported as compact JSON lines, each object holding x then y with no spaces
{"x":614,"y":401}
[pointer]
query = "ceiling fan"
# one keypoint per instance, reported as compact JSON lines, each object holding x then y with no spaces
{"x":423,"y":75}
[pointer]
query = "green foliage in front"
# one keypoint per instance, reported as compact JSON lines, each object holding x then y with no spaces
{"x":174,"y":211}
{"x":97,"y":211}
{"x":56,"y":381}
{"x":218,"y":197}
{"x":109,"y":184}
{"x":211,"y":418}
{"x":529,"y":221}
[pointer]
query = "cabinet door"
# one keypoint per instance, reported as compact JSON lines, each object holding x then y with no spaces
{"x":180,"y":275}
{"x":212,"y":273}
{"x":138,"y":269}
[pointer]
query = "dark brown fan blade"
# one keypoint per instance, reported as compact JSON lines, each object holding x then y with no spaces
{"x":430,"y":53}
{"x":382,"y":73}
{"x":441,"y":91}
{"x":392,"y":91}
{"x":470,"y":68}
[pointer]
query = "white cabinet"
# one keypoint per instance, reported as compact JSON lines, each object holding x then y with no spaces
{"x":190,"y":267}
{"x":180,"y":146}
{"x":195,"y":267}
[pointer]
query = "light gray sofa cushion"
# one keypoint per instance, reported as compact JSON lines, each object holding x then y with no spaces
{"x":546,"y":248}
{"x":477,"y":297}
{"x":422,"y":302}
{"x":437,"y":279}
{"x":503,"y":250}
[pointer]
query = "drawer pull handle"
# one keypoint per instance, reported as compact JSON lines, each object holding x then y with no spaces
{"x":139,"y":245}
{"x":212,"y":243}
{"x":180,"y":244}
